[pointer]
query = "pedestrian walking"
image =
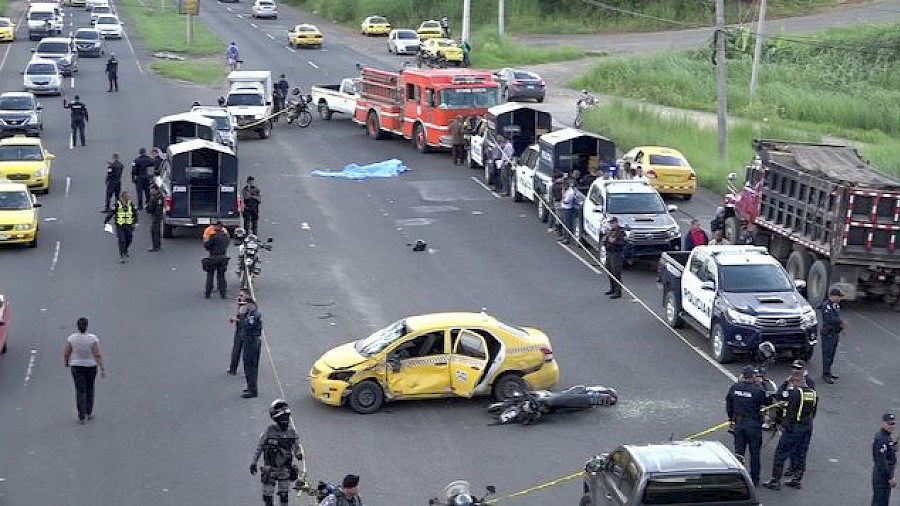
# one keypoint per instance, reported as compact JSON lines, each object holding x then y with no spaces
{"x":78,"y":116}
{"x":567,"y":204}
{"x":832,"y":326}
{"x":614,"y":242}
{"x":155,"y":209}
{"x":457,"y":140}
{"x":797,"y":423}
{"x":278,"y":446}
{"x":250,"y":327}
{"x":141,"y":175}
{"x":743,"y":404}
{"x":113,"y":181}
{"x":83,"y":356}
{"x":216,"y":264}
{"x":252,"y":199}
{"x":126,"y":219}
{"x":884,"y":455}
{"x":507,"y":153}
{"x":237,"y":345}
{"x":112,"y":72}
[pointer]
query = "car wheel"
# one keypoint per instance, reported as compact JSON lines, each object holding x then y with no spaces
{"x":721,"y":352}
{"x":168,"y":231}
{"x":324,"y":111}
{"x":673,"y":310}
{"x":266,"y":130}
{"x":541,"y":99}
{"x":366,"y":398}
{"x":373,"y":126}
{"x":508,"y":385}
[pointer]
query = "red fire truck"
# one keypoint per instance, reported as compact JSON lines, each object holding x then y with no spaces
{"x":419,"y":104}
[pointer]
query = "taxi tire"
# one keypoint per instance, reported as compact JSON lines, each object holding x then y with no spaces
{"x":507,"y":384}
{"x":34,"y":243}
{"x":359,"y":400}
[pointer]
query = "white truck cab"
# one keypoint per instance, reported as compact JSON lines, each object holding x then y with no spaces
{"x":44,"y":20}
{"x":249,"y":100}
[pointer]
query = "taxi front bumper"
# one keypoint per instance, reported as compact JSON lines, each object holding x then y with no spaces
{"x":17,"y":236}
{"x":328,"y":391}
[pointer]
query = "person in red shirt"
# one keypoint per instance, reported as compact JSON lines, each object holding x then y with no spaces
{"x":696,"y":236}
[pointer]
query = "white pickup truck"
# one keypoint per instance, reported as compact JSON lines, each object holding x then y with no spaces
{"x":249,"y":101}
{"x":332,"y":98}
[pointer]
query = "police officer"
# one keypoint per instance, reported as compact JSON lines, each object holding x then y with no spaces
{"x":252,"y":198}
{"x":217,"y":262}
{"x":278,"y":445}
{"x":281,"y":89}
{"x":832,"y":325}
{"x":78,"y":115}
{"x":614,"y":241}
{"x":237,"y":346}
{"x":112,"y":72}
{"x":113,"y":181}
{"x":743,"y":403}
{"x":126,"y":220}
{"x":797,"y":422}
{"x":347,"y":495}
{"x":141,"y":174}
{"x":249,"y":328}
{"x":155,"y":210}
{"x":796,"y":365}
{"x":884,"y":454}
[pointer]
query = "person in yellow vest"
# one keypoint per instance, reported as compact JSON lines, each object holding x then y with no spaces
{"x":126,"y":218}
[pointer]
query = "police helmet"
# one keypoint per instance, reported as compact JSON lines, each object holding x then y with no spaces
{"x":279,"y":408}
{"x":240,"y":233}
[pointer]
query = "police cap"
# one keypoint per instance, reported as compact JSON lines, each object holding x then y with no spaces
{"x":835,"y":291}
{"x":748,"y":371}
{"x":889,"y":418}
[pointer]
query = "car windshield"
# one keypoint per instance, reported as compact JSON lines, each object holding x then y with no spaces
{"x":16,"y":103}
{"x":87,"y":35}
{"x":380,"y":340}
{"x":41,"y":69}
{"x":696,"y":489}
{"x":14,"y":201}
{"x":53,"y":48}
{"x":244,"y":99}
{"x":18,"y":153}
{"x":222,"y":122}
{"x":107,"y":20}
{"x":667,"y":160}
{"x":635,"y":203}
{"x":754,"y":278}
{"x":5,"y":23}
{"x":377,"y":19}
{"x":101,"y":9}
{"x":468,"y":98}
{"x":41,"y":16}
{"x":407,"y":35}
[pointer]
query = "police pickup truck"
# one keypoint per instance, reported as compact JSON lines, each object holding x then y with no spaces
{"x":738,"y":296}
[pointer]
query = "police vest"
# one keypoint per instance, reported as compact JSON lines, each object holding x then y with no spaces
{"x":124,"y":214}
{"x":808,"y":400}
{"x":278,"y":446}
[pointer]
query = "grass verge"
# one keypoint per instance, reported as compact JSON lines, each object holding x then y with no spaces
{"x":4,"y":8}
{"x":491,"y":51}
{"x":207,"y":72}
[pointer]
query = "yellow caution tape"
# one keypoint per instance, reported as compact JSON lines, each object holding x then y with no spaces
{"x":536,"y":488}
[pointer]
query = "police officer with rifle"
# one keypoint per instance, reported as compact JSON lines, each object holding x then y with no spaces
{"x":278,"y":445}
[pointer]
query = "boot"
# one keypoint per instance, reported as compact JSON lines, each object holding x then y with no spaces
{"x":773,"y":484}
{"x":794,"y":482}
{"x":268,"y":500}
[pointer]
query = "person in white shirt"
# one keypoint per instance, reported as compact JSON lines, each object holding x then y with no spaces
{"x":83,"y":356}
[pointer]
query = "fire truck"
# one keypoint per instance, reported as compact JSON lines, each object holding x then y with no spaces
{"x":419,"y":103}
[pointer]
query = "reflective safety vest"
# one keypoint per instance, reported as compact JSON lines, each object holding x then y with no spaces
{"x":808,"y":401}
{"x":124,"y":214}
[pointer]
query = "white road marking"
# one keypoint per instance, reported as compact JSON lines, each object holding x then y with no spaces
{"x":253,"y":25}
{"x":72,"y":82}
{"x":311,"y":64}
{"x":304,"y":226}
{"x":30,"y":370}
{"x":228,"y":9}
{"x":71,"y":142}
{"x":579,"y":258}
{"x":269,"y":35}
{"x":289,"y":48}
{"x":55,"y":257}
{"x":68,"y":184}
{"x":479,"y":183}
{"x":877,"y":325}
{"x":133,"y":53}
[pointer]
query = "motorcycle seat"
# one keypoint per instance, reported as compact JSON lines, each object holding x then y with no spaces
{"x":568,"y":401}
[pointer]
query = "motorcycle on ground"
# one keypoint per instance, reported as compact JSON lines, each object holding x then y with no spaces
{"x":529,"y":407}
{"x":459,"y":493}
{"x":248,"y":256}
{"x":298,"y":109}
{"x":585,"y":101}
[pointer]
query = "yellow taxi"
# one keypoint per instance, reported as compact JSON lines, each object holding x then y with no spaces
{"x":7,"y":30}
{"x":666,"y":169}
{"x":24,"y":160}
{"x":375,"y":25}
{"x":443,"y":47}
{"x":430,"y":29}
{"x":18,"y":214}
{"x":432,"y":356}
{"x":305,"y":35}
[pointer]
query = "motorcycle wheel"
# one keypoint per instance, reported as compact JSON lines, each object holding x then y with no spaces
{"x":304,"y":119}
{"x":245,"y":279}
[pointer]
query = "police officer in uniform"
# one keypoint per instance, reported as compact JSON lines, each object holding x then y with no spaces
{"x":113,"y":181}
{"x":832,"y":325}
{"x":217,"y":262}
{"x":797,"y":422}
{"x":112,"y":72}
{"x":614,"y":241}
{"x":252,"y":198}
{"x":78,"y":115}
{"x":743,"y":403}
{"x":278,"y":445}
{"x":126,"y":220}
{"x":155,"y":209}
{"x":141,"y":175}
{"x":884,"y":454}
{"x":249,"y":328}
{"x":346,"y":495}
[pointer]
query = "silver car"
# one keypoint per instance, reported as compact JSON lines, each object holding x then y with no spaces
{"x":89,"y":42}
{"x":403,"y":41}
{"x":264,"y":9}
{"x":42,"y":76}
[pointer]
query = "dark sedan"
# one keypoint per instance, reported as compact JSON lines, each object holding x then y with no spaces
{"x":89,"y":42}
{"x":517,"y":84}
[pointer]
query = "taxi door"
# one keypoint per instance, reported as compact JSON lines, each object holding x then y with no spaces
{"x":419,"y":366}
{"x":698,"y":288}
{"x":467,"y":362}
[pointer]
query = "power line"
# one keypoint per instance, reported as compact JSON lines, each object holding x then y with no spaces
{"x":613,"y":8}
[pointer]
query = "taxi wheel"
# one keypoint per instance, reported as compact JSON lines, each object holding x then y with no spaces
{"x":366,"y":398}
{"x":508,"y":385}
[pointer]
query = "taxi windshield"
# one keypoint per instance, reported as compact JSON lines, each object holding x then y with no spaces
{"x":17,"y":153}
{"x":469,"y":98}
{"x":380,"y":340}
{"x":14,"y":201}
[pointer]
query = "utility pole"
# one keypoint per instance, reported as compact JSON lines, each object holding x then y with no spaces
{"x":466,"y":19}
{"x":757,"y":49}
{"x":501,"y":14}
{"x":190,"y":28}
{"x":721,"y":80}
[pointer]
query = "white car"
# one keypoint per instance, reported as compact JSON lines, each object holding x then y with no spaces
{"x":264,"y":9}
{"x":100,"y":10}
{"x":403,"y":41}
{"x":42,"y":77}
{"x":110,"y":27}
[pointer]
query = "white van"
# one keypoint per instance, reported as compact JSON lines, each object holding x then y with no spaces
{"x":44,"y":20}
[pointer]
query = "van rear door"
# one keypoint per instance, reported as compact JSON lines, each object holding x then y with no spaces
{"x":229,"y":195}
{"x":177,"y":186}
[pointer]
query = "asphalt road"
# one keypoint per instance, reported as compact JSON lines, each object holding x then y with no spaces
{"x":171,"y":428}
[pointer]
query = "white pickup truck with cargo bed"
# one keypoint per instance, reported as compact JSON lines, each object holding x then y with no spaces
{"x":332,"y":98}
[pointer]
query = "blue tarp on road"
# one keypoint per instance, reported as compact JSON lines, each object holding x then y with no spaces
{"x":387,"y":168}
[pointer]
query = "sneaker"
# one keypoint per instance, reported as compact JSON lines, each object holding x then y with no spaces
{"x":230,"y":371}
{"x":609,"y":292}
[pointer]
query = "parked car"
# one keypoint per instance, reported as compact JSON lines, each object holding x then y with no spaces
{"x":61,"y":50}
{"x":20,"y":113}
{"x":305,"y":35}
{"x":516,"y":84}
{"x":264,"y":9}
{"x":42,"y":76}
{"x":224,"y":123}
{"x":442,"y":48}
{"x":375,"y":25}
{"x":403,"y":41}
{"x":666,"y":169}
{"x":24,"y":160}
{"x":332,"y":98}
{"x":89,"y":42}
{"x":19,"y":221}
{"x":110,"y":27}
{"x":7,"y":30}
{"x":430,"y":29}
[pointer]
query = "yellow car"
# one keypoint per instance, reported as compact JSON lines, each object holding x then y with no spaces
{"x":430,"y":30}
{"x":433,"y":48}
{"x":305,"y":35}
{"x":667,"y":169}
{"x":24,"y":160}
{"x":432,"y":356}
{"x":7,"y":30}
{"x":18,"y":214}
{"x":375,"y":25}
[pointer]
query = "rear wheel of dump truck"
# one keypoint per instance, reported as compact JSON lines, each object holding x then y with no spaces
{"x":817,"y":282}
{"x":168,"y":231}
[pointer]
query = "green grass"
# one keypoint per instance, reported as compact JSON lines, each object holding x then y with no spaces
{"x":196,"y":71}
{"x":4,"y":7}
{"x":491,"y":51}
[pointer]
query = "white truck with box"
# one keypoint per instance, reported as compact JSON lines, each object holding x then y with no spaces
{"x":249,"y":101}
{"x":332,"y":98}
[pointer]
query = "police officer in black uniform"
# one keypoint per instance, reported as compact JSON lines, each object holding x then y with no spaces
{"x":78,"y":115}
{"x":614,"y":241}
{"x":278,"y":445}
{"x":217,"y":262}
{"x":249,"y":328}
{"x":113,"y":181}
{"x":832,"y":325}
{"x":112,"y":72}
{"x":743,"y":404}
{"x":141,"y":175}
{"x":884,"y":454}
{"x":155,"y":208}
{"x":797,"y":422}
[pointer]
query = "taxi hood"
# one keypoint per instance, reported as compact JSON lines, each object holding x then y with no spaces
{"x":344,"y":356}
{"x":15,"y":217}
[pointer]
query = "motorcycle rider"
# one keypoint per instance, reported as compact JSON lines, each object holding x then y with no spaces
{"x":278,"y":445}
{"x":743,"y":403}
{"x":346,"y":495}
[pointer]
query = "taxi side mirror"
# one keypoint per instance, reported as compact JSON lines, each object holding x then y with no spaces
{"x":37,"y":204}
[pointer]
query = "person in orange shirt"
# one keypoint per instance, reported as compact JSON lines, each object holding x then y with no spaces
{"x":211,"y":229}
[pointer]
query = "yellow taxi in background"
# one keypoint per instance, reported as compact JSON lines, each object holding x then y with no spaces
{"x":375,"y":25}
{"x":24,"y":160}
{"x":443,"y":47}
{"x":18,"y":214}
{"x":7,"y":30}
{"x":666,"y":169}
{"x":305,"y":35}
{"x":430,"y":29}
{"x":432,"y":356}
